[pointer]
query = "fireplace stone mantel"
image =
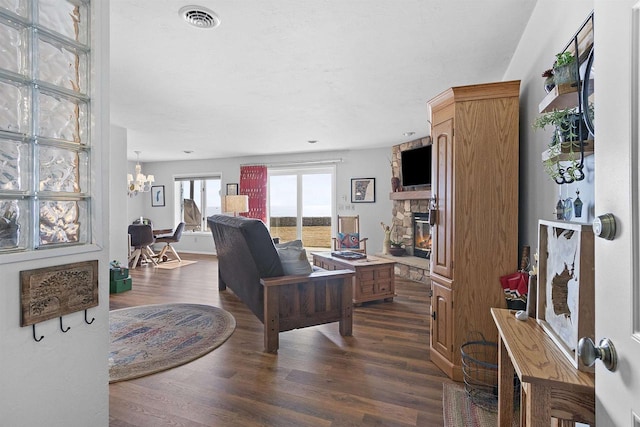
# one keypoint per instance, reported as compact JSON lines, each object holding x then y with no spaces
{"x":410,"y":195}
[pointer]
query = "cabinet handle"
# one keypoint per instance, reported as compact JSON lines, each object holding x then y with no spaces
{"x":433,"y":210}
{"x":433,"y":315}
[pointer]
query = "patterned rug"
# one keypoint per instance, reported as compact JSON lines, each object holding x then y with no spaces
{"x":170,"y":265}
{"x":460,"y":411}
{"x":152,"y":338}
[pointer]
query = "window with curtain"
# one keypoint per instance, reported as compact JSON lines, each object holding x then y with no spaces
{"x":198,"y":198}
{"x":45,"y":196}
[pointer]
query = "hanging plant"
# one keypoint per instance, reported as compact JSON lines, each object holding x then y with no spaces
{"x":565,"y":139}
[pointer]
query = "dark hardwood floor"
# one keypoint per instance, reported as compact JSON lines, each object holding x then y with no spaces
{"x":381,"y":376}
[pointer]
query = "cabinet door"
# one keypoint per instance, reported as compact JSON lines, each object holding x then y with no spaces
{"x":442,"y":318}
{"x":442,"y":188}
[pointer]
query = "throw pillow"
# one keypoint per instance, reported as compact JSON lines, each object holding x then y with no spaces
{"x":292,"y":243}
{"x":294,"y":260}
{"x":349,"y":240}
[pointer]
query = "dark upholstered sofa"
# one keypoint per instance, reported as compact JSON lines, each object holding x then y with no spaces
{"x":248,"y":263}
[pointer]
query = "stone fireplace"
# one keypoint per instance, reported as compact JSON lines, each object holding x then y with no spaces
{"x":406,"y":204}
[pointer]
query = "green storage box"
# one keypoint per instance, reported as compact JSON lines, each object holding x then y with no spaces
{"x":120,"y":285}
{"x":118,"y":273}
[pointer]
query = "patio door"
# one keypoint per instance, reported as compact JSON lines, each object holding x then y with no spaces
{"x":300,"y":202}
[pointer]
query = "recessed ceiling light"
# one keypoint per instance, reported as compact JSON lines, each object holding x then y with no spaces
{"x":199,"y":17}
{"x":312,"y":141}
{"x":409,"y":133}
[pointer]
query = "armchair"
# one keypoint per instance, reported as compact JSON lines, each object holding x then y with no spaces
{"x":348,"y":237}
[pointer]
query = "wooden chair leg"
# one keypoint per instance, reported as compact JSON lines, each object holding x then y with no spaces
{"x":174,"y":253}
{"x":135,"y":256}
{"x":150,"y":255}
{"x":162,"y":252}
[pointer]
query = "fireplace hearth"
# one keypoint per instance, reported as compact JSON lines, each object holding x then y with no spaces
{"x":421,"y":235}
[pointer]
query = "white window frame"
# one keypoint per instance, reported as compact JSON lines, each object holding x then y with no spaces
{"x":178,"y":202}
{"x":299,"y":171}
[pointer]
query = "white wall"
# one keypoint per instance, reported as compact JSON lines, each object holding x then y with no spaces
{"x":63,"y":380}
{"x":371,"y":163}
{"x":118,"y":217}
{"x":550,"y":28}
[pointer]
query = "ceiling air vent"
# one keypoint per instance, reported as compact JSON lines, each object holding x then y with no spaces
{"x":199,"y":16}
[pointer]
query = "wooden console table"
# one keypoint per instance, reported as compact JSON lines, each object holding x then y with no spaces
{"x":551,"y":386}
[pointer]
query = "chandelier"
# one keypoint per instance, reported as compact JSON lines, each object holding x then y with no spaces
{"x":141,"y":183}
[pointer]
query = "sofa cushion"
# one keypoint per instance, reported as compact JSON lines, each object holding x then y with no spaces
{"x":293,"y":258}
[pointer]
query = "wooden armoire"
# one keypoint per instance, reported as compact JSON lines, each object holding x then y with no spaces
{"x":475,"y":202}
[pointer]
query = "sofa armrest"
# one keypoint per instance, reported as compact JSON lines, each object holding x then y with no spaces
{"x":316,"y":275}
{"x":292,"y":302}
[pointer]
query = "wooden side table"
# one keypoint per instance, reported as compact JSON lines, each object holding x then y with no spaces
{"x":551,"y":386}
{"x":374,"y":278}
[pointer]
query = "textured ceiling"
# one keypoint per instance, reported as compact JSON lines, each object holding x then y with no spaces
{"x":351,"y":74}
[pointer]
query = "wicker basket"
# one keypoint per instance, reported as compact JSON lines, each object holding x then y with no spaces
{"x":480,"y":372}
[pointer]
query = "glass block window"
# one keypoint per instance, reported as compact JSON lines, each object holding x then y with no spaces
{"x":45,"y":193}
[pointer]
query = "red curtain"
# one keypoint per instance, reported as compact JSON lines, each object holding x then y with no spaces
{"x":253,"y":183}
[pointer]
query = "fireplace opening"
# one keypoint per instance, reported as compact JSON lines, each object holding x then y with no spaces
{"x":421,"y":235}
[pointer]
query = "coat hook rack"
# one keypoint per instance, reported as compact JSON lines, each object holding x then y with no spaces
{"x":34,"y":334}
{"x":87,"y":321}
{"x":63,"y":329}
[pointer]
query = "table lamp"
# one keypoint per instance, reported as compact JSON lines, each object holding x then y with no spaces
{"x":236,"y":204}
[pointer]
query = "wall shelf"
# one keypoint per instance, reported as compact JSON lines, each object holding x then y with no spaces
{"x":560,"y":97}
{"x":564,"y":152}
{"x":410,"y":195}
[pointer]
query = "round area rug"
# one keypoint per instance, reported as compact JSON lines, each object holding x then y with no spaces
{"x":152,"y":338}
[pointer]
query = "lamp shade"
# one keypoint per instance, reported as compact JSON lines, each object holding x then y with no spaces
{"x":236,"y":204}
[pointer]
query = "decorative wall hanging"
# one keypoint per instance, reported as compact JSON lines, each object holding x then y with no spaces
{"x":157,"y":195}
{"x":363,"y":190}
{"x":253,"y":183}
{"x":232,"y":189}
{"x":566,"y":309}
{"x":50,"y":292}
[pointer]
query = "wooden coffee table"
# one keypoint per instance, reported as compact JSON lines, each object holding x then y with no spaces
{"x":374,"y":278}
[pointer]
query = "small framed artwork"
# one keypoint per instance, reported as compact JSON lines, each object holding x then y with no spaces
{"x":232,"y":189}
{"x":157,"y":195}
{"x":363,"y":190}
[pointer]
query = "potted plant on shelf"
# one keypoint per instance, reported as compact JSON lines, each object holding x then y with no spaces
{"x":567,"y":138}
{"x":549,"y":82}
{"x":564,"y":69}
{"x":396,"y":246}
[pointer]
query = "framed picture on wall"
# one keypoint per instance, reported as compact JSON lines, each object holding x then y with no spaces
{"x":232,"y":189}
{"x":363,"y":190}
{"x":157,"y":195}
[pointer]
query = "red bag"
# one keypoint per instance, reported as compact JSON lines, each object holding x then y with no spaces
{"x":515,"y":284}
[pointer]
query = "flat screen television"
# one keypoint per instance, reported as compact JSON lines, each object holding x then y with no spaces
{"x":416,"y":166}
